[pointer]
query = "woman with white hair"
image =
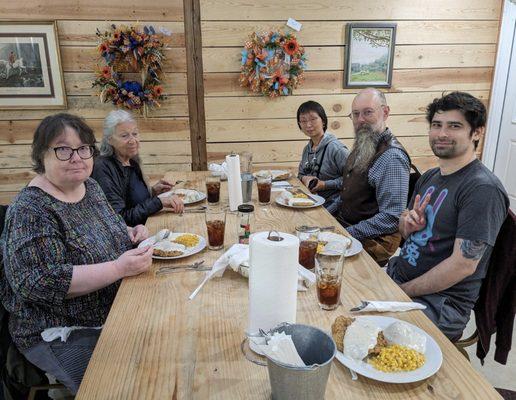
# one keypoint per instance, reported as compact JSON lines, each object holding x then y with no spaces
{"x":118,"y":172}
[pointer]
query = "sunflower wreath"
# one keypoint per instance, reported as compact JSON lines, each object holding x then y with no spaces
{"x":130,"y":49}
{"x":273,"y":63}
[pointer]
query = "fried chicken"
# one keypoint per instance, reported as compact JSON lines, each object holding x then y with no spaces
{"x":338,"y":331}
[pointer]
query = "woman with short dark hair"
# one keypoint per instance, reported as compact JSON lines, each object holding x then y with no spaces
{"x":322,"y":163}
{"x":64,"y":252}
{"x":119,"y":174}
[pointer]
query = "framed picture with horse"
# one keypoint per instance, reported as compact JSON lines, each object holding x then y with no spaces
{"x":30,"y":66}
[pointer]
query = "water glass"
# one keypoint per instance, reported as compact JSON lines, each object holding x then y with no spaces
{"x":308,"y":242}
{"x":264,"y":184}
{"x":329,"y":264}
{"x":215,"y":224}
{"x":213,"y":189}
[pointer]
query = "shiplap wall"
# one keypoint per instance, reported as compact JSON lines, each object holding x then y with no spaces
{"x":440,"y":46}
{"x":165,"y":133}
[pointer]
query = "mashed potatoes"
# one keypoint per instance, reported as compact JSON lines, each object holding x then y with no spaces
{"x":402,"y":334}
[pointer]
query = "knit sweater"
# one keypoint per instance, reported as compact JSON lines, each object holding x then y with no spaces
{"x":44,"y":238}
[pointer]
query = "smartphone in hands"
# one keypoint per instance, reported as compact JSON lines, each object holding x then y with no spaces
{"x":312,"y":183}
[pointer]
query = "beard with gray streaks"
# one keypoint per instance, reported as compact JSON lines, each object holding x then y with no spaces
{"x":364,"y":148}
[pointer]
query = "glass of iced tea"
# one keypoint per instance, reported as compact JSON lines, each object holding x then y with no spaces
{"x":264,"y":184}
{"x":308,"y":242}
{"x":215,"y":224}
{"x":213,"y":189}
{"x":328,"y":270}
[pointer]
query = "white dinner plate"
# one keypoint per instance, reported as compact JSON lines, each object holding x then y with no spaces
{"x":199,"y":196}
{"x":188,"y":252}
{"x":355,"y":248}
{"x":319,"y":201}
{"x":433,"y":358}
{"x":277,"y":174}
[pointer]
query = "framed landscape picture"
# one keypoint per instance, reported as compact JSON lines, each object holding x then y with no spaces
{"x":370,"y":51}
{"x":30,"y":66}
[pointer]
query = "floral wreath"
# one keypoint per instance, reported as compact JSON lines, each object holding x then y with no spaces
{"x":273,"y":63}
{"x":129,"y":49}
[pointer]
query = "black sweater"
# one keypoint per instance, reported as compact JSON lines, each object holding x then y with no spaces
{"x":113,"y":178}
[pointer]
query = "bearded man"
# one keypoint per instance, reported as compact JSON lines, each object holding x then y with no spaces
{"x":376,"y":179}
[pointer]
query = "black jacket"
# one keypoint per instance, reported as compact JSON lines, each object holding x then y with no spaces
{"x":496,"y":304}
{"x":113,"y":178}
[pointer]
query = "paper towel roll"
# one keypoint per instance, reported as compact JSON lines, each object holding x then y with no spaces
{"x":272,"y":281}
{"x":234,"y":181}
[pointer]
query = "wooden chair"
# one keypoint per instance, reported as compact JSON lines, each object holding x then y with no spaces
{"x":35,"y":389}
{"x":462,"y":344}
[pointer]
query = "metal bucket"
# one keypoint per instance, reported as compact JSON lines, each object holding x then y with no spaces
{"x":317,"y":349}
{"x":247,"y":187}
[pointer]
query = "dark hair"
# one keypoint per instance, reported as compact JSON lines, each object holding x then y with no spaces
{"x":50,"y":128}
{"x":309,"y":106}
{"x":472,"y":108}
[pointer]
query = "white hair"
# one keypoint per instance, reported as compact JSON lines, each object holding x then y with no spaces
{"x":113,"y":119}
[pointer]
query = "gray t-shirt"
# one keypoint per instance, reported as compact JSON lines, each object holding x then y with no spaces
{"x":469,"y":204}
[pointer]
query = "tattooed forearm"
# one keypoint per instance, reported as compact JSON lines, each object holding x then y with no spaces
{"x":472,"y":249}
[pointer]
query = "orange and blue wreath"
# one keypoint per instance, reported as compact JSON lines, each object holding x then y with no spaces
{"x":131,"y":49}
{"x":273,"y":63}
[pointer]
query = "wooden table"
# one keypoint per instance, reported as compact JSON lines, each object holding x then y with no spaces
{"x":156,"y":344}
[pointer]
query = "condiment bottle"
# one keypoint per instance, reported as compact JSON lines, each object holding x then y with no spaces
{"x":245,"y":220}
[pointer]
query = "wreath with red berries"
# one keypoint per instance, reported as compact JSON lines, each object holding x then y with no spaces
{"x":272,"y":63}
{"x":131,"y":49}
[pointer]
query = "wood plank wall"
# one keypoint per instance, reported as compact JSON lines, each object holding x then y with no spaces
{"x":165,"y":134}
{"x":440,"y":46}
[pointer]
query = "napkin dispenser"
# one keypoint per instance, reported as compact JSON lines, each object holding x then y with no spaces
{"x":273,"y":259}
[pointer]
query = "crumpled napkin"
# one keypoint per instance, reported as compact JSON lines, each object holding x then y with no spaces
{"x":280,"y":347}
{"x":237,"y":258}
{"x":393,"y":306}
{"x":219,"y":170}
{"x":62,"y":332}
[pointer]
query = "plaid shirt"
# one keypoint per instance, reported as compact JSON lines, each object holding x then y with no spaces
{"x":389,"y":175}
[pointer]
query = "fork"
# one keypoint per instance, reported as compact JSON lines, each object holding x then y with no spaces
{"x":171,"y":271}
{"x":170,"y":268}
{"x":200,"y":209}
{"x":165,"y":236}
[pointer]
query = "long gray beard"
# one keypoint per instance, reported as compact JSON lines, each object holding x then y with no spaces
{"x":364,"y":148}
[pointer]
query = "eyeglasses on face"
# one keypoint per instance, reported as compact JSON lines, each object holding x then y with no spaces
{"x":126,"y":136}
{"x":367,"y":113}
{"x":64,"y":153}
{"x":309,"y":120}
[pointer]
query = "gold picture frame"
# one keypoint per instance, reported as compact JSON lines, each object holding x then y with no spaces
{"x":31,"y":76}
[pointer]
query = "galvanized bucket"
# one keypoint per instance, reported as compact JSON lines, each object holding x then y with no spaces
{"x":247,"y":187}
{"x":317,"y":349}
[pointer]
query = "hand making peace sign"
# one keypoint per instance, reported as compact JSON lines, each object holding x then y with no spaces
{"x":414,"y":220}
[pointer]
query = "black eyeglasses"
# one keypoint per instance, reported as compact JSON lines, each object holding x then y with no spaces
{"x":64,"y":153}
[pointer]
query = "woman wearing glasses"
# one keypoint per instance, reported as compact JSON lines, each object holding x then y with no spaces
{"x":118,"y":172}
{"x":64,"y":253}
{"x":322,"y":162}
